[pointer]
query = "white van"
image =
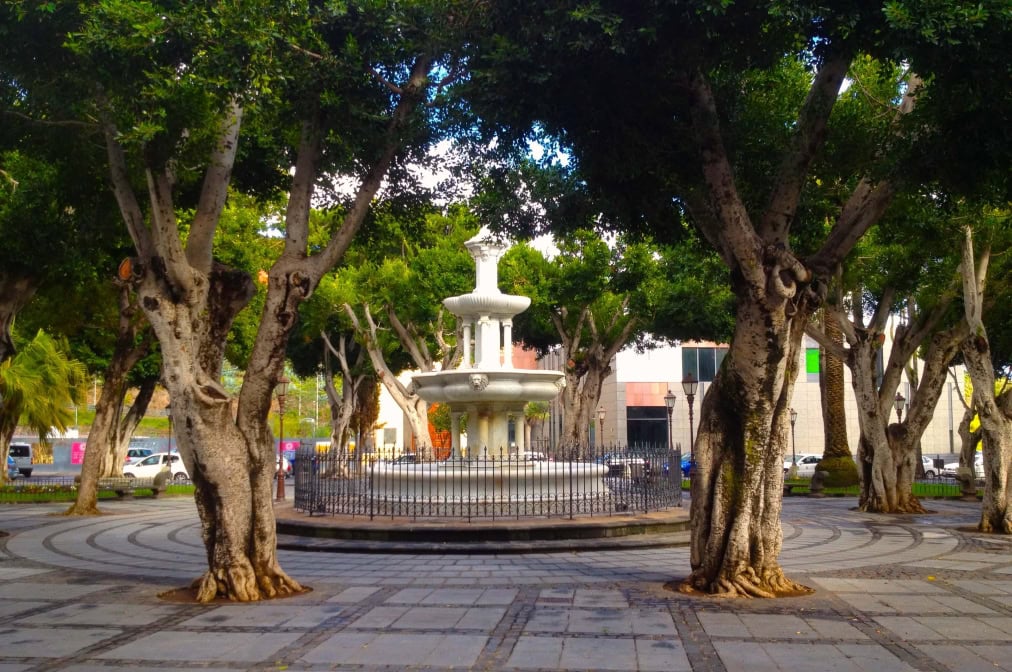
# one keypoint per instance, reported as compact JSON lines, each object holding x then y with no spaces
{"x":22,"y":454}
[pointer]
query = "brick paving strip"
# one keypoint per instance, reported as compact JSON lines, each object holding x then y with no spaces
{"x":893,"y":593}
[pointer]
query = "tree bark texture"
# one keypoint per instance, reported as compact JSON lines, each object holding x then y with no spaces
{"x":994,"y":412}
{"x":110,"y":431}
{"x":588,"y":350}
{"x":737,"y":485}
{"x":414,"y":407}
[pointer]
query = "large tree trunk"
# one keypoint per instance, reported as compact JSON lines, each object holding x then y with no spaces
{"x":968,"y":449}
{"x":588,"y":348}
{"x":995,"y":413}
{"x":580,"y":398}
{"x":739,"y":450}
{"x":414,"y":407}
{"x":110,"y":431}
{"x":230,"y":458}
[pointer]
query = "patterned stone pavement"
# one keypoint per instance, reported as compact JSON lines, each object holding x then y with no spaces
{"x":893,"y":593}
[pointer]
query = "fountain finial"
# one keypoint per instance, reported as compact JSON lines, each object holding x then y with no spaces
{"x":486,"y":250}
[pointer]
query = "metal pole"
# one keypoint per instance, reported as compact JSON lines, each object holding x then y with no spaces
{"x":280,"y":445}
{"x":692,"y":437}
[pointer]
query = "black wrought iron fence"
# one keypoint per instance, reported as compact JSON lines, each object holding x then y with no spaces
{"x":536,"y":483}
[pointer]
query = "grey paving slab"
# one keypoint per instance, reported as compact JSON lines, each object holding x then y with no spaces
{"x":50,"y":642}
{"x":892,"y":593}
{"x":203,"y":647}
{"x":265,"y":615}
{"x":970,"y":658}
{"x":103,"y":614}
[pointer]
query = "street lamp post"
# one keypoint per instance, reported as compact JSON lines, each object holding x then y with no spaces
{"x":898,"y":402}
{"x":689,"y":384}
{"x":600,"y":424}
{"x":794,"y":455}
{"x":669,"y":402}
{"x":282,"y":391}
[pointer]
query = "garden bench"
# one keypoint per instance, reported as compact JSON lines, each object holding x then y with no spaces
{"x":789,"y":487}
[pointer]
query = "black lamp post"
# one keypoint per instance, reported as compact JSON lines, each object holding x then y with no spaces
{"x":600,"y":424}
{"x":282,"y":391}
{"x":689,"y":384}
{"x":794,"y":455}
{"x":669,"y":402}
{"x":898,"y":404}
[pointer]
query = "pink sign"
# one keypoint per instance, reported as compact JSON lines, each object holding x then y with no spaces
{"x":289,"y":445}
{"x":77,"y":452}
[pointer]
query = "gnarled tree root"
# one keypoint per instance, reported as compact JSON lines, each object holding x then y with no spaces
{"x":746,"y":583}
{"x":243,"y":584}
{"x":76,"y":510}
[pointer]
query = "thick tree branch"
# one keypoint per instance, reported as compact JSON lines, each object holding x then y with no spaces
{"x":861,"y":211}
{"x":809,"y":138}
{"x":214,"y":192}
{"x":65,"y":123}
{"x":166,"y":232}
{"x":883,"y":310}
{"x":413,"y":94}
{"x":738,"y":238}
{"x":865,"y":206}
{"x":834,"y":349}
{"x":418,"y":352}
{"x":300,"y":197}
{"x":129,"y":206}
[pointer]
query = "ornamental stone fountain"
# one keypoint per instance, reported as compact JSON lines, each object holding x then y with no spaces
{"x":489,"y":390}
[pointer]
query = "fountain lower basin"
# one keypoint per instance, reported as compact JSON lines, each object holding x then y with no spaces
{"x":485,"y":481}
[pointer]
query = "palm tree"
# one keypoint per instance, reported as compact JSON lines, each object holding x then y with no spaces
{"x":836,"y":458}
{"x":38,"y":387}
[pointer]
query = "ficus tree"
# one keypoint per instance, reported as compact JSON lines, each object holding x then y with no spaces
{"x":188,"y":100}
{"x":693,"y":112}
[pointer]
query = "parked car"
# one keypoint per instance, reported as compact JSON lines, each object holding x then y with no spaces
{"x":686,"y":464}
{"x":22,"y":454}
{"x":406,"y":458}
{"x":530,"y":456}
{"x":12,"y":469}
{"x":149,"y":467}
{"x":807,"y":465}
{"x":978,"y":467}
{"x":929,"y":467}
{"x":137,"y":454}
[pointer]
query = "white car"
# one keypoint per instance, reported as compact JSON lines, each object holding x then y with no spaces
{"x":978,"y":467}
{"x":152,"y":464}
{"x":806,"y":465}
{"x":929,"y":467}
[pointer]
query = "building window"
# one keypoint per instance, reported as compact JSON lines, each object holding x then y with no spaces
{"x":703,"y":363}
{"x":647,"y":426}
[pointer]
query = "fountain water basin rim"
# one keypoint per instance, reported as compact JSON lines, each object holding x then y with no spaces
{"x":489,"y":385}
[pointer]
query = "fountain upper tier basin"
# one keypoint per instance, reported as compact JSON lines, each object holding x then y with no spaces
{"x":489,"y":385}
{"x":487,"y":303}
